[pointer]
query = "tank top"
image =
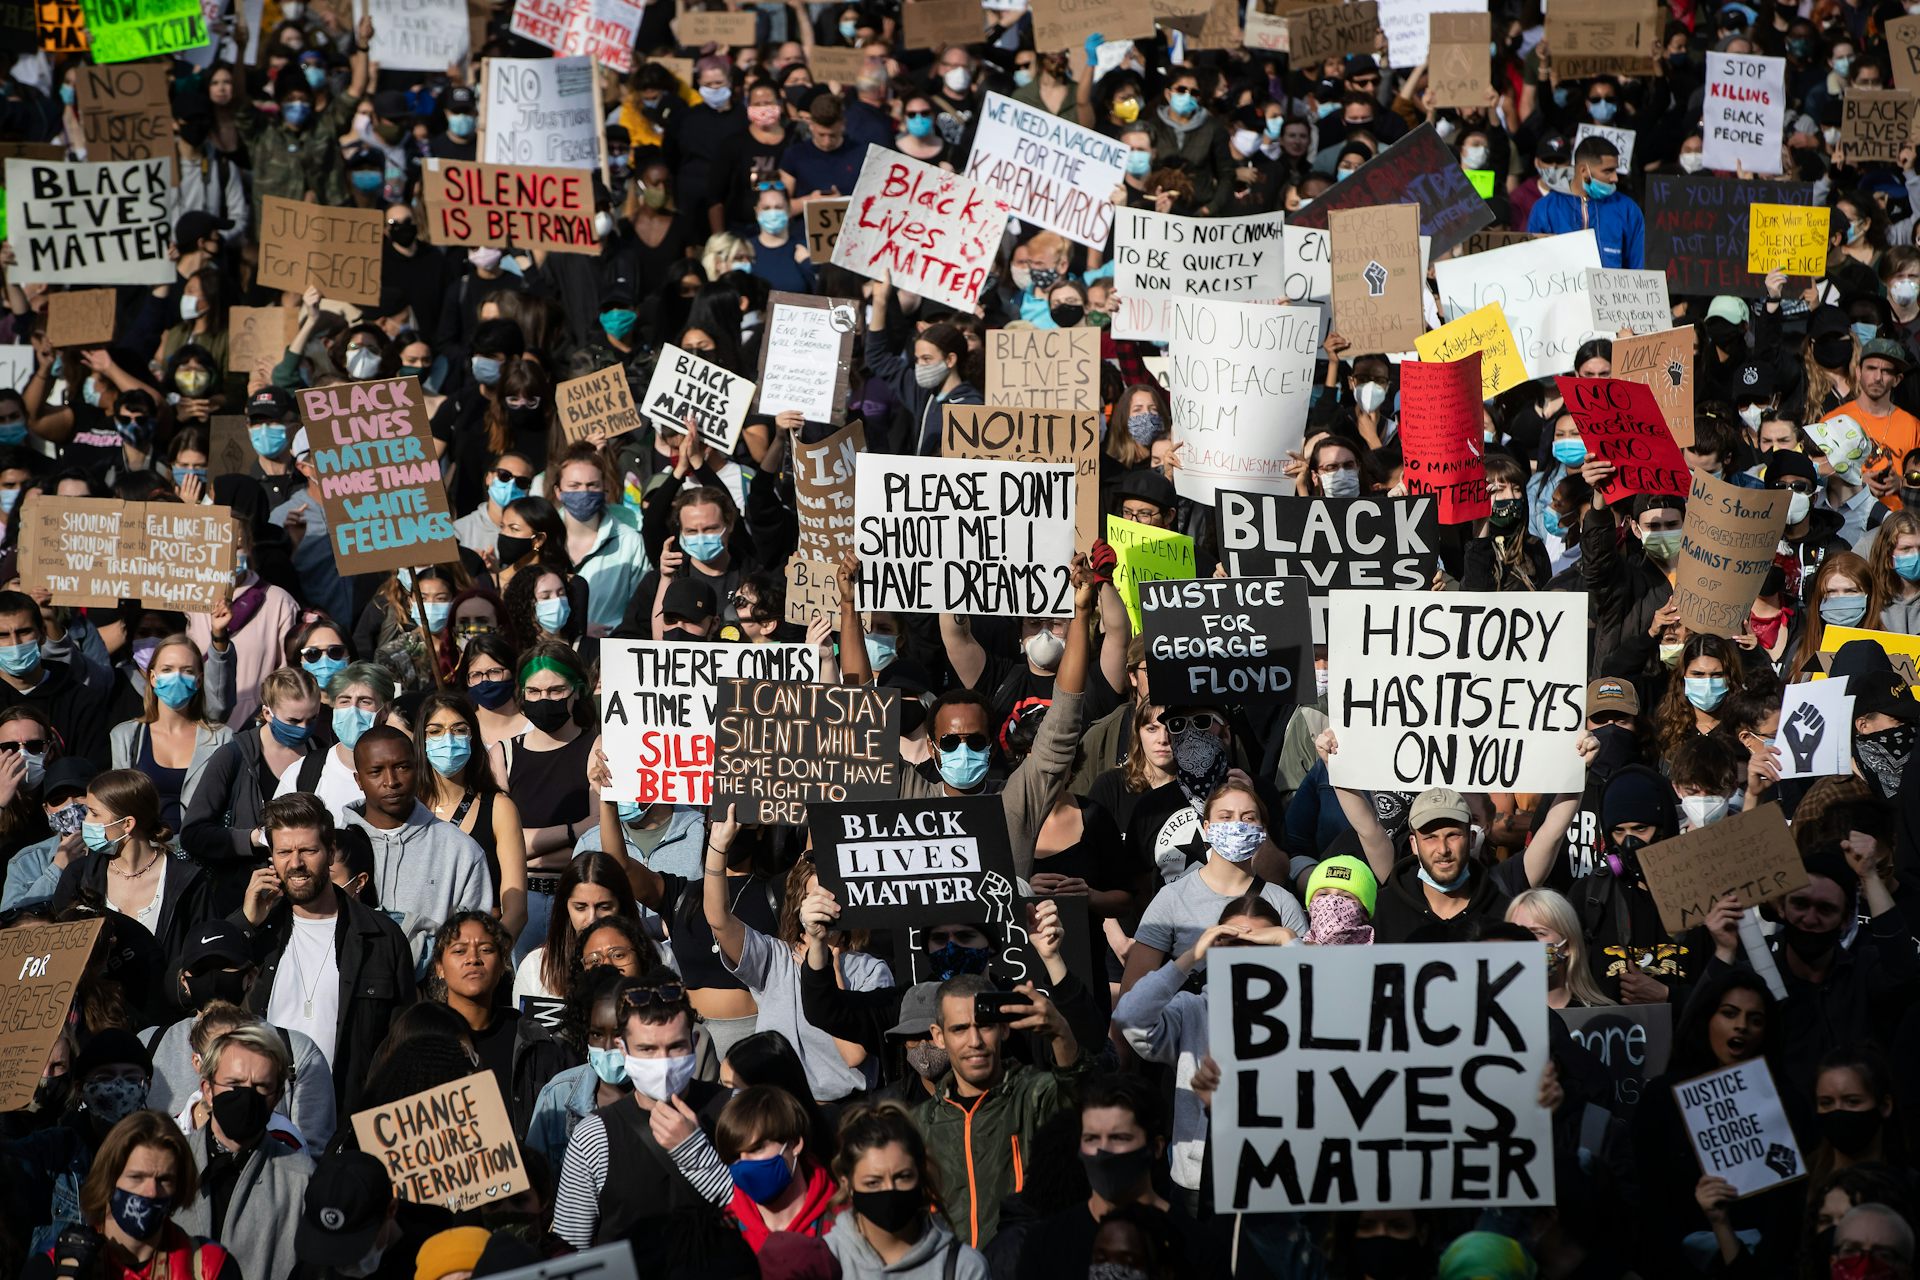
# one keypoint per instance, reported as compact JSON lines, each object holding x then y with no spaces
{"x":482,"y":832}
{"x":549,"y":786}
{"x":168,"y":782}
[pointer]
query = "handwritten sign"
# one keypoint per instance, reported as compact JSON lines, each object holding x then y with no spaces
{"x":540,"y":111}
{"x":1146,"y":553}
{"x":782,"y":745}
{"x":1875,"y":124}
{"x":1238,"y":381}
{"x":824,"y":215}
{"x":686,"y":387}
{"x":1457,"y":70}
{"x":63,"y":28}
{"x":1160,"y":258}
{"x":123,"y":30}
{"x":1697,"y":230}
{"x":1791,"y":237}
{"x":80,"y":318}
{"x":1631,"y":1041}
{"x":1726,"y":551}
{"x":813,"y":591}
{"x":928,"y":24}
{"x":509,"y":206}
{"x":1334,"y":543}
{"x":1035,"y":435}
{"x":336,"y":249}
{"x":1620,"y":422}
{"x":601,"y":403}
{"x":1739,"y":1127}
{"x":99,"y":551}
{"x":1485,"y":333}
{"x":605,"y":30}
{"x":1903,"y":51}
{"x":1635,"y":300}
{"x":379,"y":477}
{"x":1050,"y":172}
{"x":1419,"y":168}
{"x":1539,"y":284}
{"x":927,"y":231}
{"x":124,"y":111}
{"x":807,"y":356}
{"x":1377,"y":281}
{"x":823,"y":492}
{"x":1605,"y":37}
{"x":696,"y":27}
{"x":419,"y":35}
{"x":257,"y":336}
{"x":92,"y":223}
{"x":1330,"y":30}
{"x":1237,"y":641}
{"x":451,"y":1145}
{"x":894,"y":863}
{"x":43,"y":964}
{"x":1044,"y":368}
{"x":1442,"y":439}
{"x":1745,"y":112}
{"x":1750,"y":855}
{"x":1663,"y":363}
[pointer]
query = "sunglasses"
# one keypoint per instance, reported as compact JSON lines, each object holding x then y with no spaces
{"x":972,"y":741}
{"x":646,"y":997}
{"x":919,"y":115}
{"x":505,"y":476}
{"x":32,"y":746}
{"x":1202,"y":720}
{"x":313,"y":653}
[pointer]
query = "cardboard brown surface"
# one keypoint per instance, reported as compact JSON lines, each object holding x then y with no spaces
{"x":80,"y":317}
{"x":1750,"y":855}
{"x":1376,"y":276}
{"x":1727,"y":548}
{"x":43,"y":964}
{"x":451,"y":1145}
{"x":337,"y":249}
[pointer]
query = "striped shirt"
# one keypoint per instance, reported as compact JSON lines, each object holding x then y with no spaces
{"x":583,"y":1173}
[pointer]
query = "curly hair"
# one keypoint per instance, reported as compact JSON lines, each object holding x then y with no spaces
{"x":436,"y":986}
{"x":1674,"y":719}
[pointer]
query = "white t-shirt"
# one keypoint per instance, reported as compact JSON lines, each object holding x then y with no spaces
{"x":338,"y":787}
{"x":149,"y":915}
{"x":306,"y":989}
{"x":526,"y":977}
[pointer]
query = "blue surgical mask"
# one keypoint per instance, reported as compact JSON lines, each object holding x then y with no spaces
{"x":1865,"y":333}
{"x":763,"y":1180}
{"x":1841,"y":66}
{"x":14,"y":432}
{"x":1275,"y":125}
{"x":1907,"y":565}
{"x":461,"y":125}
{"x":1562,"y":94}
{"x":180,"y":475}
{"x":289,"y":735}
{"x":1706,"y":692}
{"x":349,"y":723}
{"x":608,"y":1064}
{"x":583,"y":504}
{"x":1550,"y":523}
{"x":1182,"y":104}
{"x":94,"y":835}
{"x":1597,"y":190}
{"x":323,"y":670}
{"x":881,"y":651}
{"x":503,"y":492}
{"x":175,"y":688}
{"x":367,"y":180}
{"x":963,"y":767}
{"x":849,"y":29}
{"x":20,"y":659}
{"x":1843,"y":611}
{"x":68,"y":94}
{"x":919,"y":126}
{"x":9,"y":499}
{"x":297,"y":113}
{"x":1853,"y":237}
{"x":1603,"y":111}
{"x":629,"y":810}
{"x":772,"y":221}
{"x":449,"y":753}
{"x":1139,"y":163}
{"x":1466,"y":871}
{"x":1569,"y":453}
{"x":316,"y":76}
{"x":704,"y":547}
{"x":618,"y":321}
{"x":553,"y":614}
{"x":1022,"y":77}
{"x":269,"y":441}
{"x":486,"y":370}
{"x":437,"y":614}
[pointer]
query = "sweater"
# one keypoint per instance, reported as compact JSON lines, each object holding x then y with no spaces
{"x":425,"y":870}
{"x":309,"y":1101}
{"x":927,"y":1260}
{"x":263,"y":1211}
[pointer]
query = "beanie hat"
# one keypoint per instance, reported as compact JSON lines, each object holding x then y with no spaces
{"x":1633,"y":796}
{"x":1345,"y":872}
{"x":455,"y":1249}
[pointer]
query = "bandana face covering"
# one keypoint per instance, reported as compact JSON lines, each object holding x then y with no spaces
{"x":1335,"y":919}
{"x":1200,"y":762}
{"x":1884,"y":755}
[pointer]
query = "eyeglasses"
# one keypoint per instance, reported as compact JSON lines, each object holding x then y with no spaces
{"x":505,"y":476}
{"x":313,"y":653}
{"x":32,"y":746}
{"x":523,"y":402}
{"x":607,"y":955}
{"x":972,"y":741}
{"x":1334,"y":468}
{"x":484,"y":676}
{"x":646,"y":997}
{"x":1798,"y":486}
{"x":546,"y":695}
{"x":1202,"y":720}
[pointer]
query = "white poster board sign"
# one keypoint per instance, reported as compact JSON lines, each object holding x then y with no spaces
{"x":1051,"y":173}
{"x":93,"y":224}
{"x":1622,"y":140}
{"x":1738,"y":1128}
{"x":604,"y":30}
{"x":540,"y":111}
{"x":1744,"y":115}
{"x":1160,"y":258}
{"x":1635,"y":300}
{"x":928,"y":231}
{"x":686,"y":386}
{"x":418,"y":35}
{"x":800,"y":361}
{"x":1239,"y":377}
{"x":1815,"y":737}
{"x":1539,"y":284}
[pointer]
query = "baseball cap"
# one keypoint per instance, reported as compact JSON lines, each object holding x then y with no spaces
{"x":301,"y":449}
{"x":459,"y":101}
{"x":1554,"y":149}
{"x":1438,"y":804}
{"x":1753,"y":380}
{"x":917,"y":1011}
{"x":68,"y":773}
{"x":219,"y":939}
{"x":196,"y":225}
{"x":455,"y":1249}
{"x":1885,"y":349}
{"x":392,"y":104}
{"x":109,"y":1048}
{"x":1785,"y":464}
{"x":271,"y":404}
{"x":348,"y":1195}
{"x":1611,"y":693}
{"x":1728,"y":308}
{"x":689,"y":600}
{"x":1345,"y":872}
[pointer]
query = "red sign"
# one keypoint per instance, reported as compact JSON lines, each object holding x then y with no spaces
{"x":1621,"y":423}
{"x":1442,"y":436}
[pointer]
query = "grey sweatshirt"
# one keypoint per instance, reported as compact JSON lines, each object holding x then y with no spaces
{"x":309,"y":1103}
{"x":1163,"y":1023}
{"x":927,"y":1260}
{"x":425,"y":870}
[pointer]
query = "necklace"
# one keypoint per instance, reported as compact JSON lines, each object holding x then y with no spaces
{"x":313,"y":988}
{"x":135,"y":875}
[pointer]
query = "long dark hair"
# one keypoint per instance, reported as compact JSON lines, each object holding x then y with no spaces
{"x":1692,"y":1049}
{"x":543,"y":518}
{"x":767,"y":1058}
{"x":477,"y":776}
{"x":562,"y":956}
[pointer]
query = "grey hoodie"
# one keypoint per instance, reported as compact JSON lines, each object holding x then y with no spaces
{"x":425,"y":870}
{"x":927,"y":1260}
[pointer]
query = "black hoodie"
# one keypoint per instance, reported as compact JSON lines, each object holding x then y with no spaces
{"x":77,"y":711}
{"x":1403,"y":910}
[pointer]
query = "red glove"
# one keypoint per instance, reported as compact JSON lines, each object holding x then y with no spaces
{"x":1103,"y":560}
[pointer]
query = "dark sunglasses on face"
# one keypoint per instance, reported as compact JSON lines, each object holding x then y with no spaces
{"x":505,"y":476}
{"x":32,"y":746}
{"x":313,"y":653}
{"x":972,"y":741}
{"x":1203,"y":720}
{"x":646,"y":997}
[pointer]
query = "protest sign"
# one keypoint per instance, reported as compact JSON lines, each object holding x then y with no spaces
{"x":1442,"y":437}
{"x":657,"y":709}
{"x":257,"y":335}
{"x":1247,"y":642}
{"x":1239,"y":376}
{"x":99,"y":551}
{"x":1622,"y":140}
{"x":823,"y":492}
{"x":1264,"y":31}
{"x":334,"y":248}
{"x":1419,"y":168}
{"x":1483,"y":333}
{"x":1306,"y":264}
{"x":541,"y":111}
{"x":604,"y":30}
{"x":63,"y":28}
{"x":726,"y":27}
{"x":451,"y":1145}
{"x":124,"y":111}
{"x":1875,"y":124}
{"x":123,"y":30}
{"x":813,"y":591}
{"x":90,"y":223}
{"x":1162,"y":257}
{"x":1334,"y":543}
{"x":958,"y":535}
{"x":1066,"y":24}
{"x":1621,"y":423}
{"x":1377,"y":281}
{"x":42,"y":964}
{"x":1750,"y":855}
{"x":1331,"y":1056}
{"x":781,"y":745}
{"x":509,"y":206}
{"x":1603,"y":37}
{"x":1635,"y":300}
{"x":807,"y":356}
{"x":1738,"y":1127}
{"x":1457,"y":72}
{"x":894,"y":863}
{"x":19,"y":27}
{"x":1815,"y":737}
{"x":1903,"y":51}
{"x":836,"y":66}
{"x":17,"y":362}
{"x":1662,"y":362}
{"x":1406,"y":25}
{"x":379,"y":476}
{"x":928,"y":24}
{"x":824,"y":214}
{"x":1492,"y":238}
{"x":1745,"y":112}
{"x":418,"y":35}
{"x":1044,"y":368}
{"x":229,"y":448}
{"x":1631,"y":1041}
{"x":1540,"y":285}
{"x":1331,"y":30}
{"x":80,"y":318}
{"x":1697,"y":230}
{"x":1903,"y":651}
{"x":1474,"y":690}
{"x":686,"y":387}
{"x":1787,"y":236}
{"x":1726,"y":551}
{"x":930,"y":232}
{"x":1035,"y":435}
{"x":602,"y":402}
{"x":1146,"y":553}
{"x":1050,"y":172}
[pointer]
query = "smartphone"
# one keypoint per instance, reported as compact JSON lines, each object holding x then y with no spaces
{"x":993,"y":1007}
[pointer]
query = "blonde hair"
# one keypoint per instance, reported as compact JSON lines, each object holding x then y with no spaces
{"x":256,"y":1037}
{"x":1553,"y":910}
{"x":722,"y":251}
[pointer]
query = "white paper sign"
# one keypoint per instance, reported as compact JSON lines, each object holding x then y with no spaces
{"x":92,"y":224}
{"x":1745,"y":112}
{"x":1308,"y":265}
{"x":1540,"y":284}
{"x":1622,"y":140}
{"x":418,"y":35}
{"x":1738,"y":1128}
{"x":802,"y":352}
{"x":928,"y":231}
{"x":1333,"y":1058}
{"x":539,"y":111}
{"x":1239,"y":378}
{"x":16,"y":366}
{"x":684,"y":385}
{"x":1160,"y":258}
{"x":1634,"y":300}
{"x":964,"y":535}
{"x":1815,"y":737}
{"x":1051,"y":173}
{"x":1406,"y":23}
{"x":1474,"y":690}
{"x":604,"y":30}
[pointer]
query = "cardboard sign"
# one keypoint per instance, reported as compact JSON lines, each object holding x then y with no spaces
{"x":1442,"y":438}
{"x":106,"y":223}
{"x":823,"y":492}
{"x":257,"y":335}
{"x":824,"y":214}
{"x":928,"y":231}
{"x":1620,"y":422}
{"x":1738,"y":1127}
{"x":697,"y":27}
{"x":1044,"y":368}
{"x":685,"y":387}
{"x":63,"y":28}
{"x":1405,"y":23}
{"x":783,"y":745}
{"x":1635,"y":300}
{"x":1662,"y":362}
{"x":1265,"y":32}
{"x":929,"y":24}
{"x":1483,"y":333}
{"x":1066,"y":24}
{"x":419,"y":35}
{"x":229,"y":448}
{"x":124,"y":111}
{"x":1726,"y":551}
{"x":1334,"y":543}
{"x":123,"y":30}
{"x":1745,"y":112}
{"x":603,"y":402}
{"x":836,"y":66}
{"x":379,"y":477}
{"x":605,"y":30}
{"x":509,"y":206}
{"x":1245,"y":642}
{"x":1377,"y":281}
{"x":541,"y":111}
{"x":451,"y":1145}
{"x":1903,"y":51}
{"x":1034,"y":435}
{"x":1239,"y":377}
{"x":952,"y":535}
{"x":100,"y":551}
{"x":1331,"y":30}
{"x":1419,"y":168}
{"x":813,"y":591}
{"x":1875,"y":124}
{"x":335,"y":249}
{"x":1622,"y":139}
{"x":1816,"y":728}
{"x":1792,"y":237}
{"x":1539,"y":284}
{"x":1459,"y":72}
{"x":43,"y":964}
{"x":1160,"y":258}
{"x":1631,"y":1041}
{"x":894,"y":863}
{"x":80,"y":318}
{"x":1604,"y":37}
{"x":657,"y":709}
{"x":1146,"y":553}
{"x":1331,"y":1056}
{"x":807,"y":356}
{"x":1750,"y":855}
{"x":1697,"y":231}
{"x":1049,"y":171}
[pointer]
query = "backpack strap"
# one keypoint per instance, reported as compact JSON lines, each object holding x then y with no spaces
{"x":947,"y":1265}
{"x":312,"y":765}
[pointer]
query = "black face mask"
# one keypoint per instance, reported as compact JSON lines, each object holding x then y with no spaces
{"x":1617,"y":749}
{"x":220,"y":984}
{"x":1833,"y":352}
{"x":547,"y":715}
{"x":525,"y":419}
{"x":194,"y":132}
{"x":508,"y":549}
{"x":952,"y":960}
{"x":403,"y":233}
{"x":1067,"y":315}
{"x":1809,"y":945}
{"x":52,"y":1093}
{"x":1389,"y":1258}
{"x":892,"y":1210}
{"x":1116,"y":1175}
{"x":242,"y":1114}
{"x":1850,"y":1132}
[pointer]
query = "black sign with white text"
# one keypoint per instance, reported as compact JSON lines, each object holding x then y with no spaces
{"x":893,"y":863}
{"x":1238,"y":641}
{"x":1334,"y":543}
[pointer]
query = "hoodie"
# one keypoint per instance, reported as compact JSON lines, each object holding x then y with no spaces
{"x":1402,"y":909}
{"x":425,"y":870}
{"x":927,"y":1260}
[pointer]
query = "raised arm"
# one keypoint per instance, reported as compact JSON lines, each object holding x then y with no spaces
{"x":1358,"y":807}
{"x":728,"y":931}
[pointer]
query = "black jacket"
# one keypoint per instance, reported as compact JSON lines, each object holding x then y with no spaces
{"x":1401,"y":909}
{"x":77,"y":711}
{"x":1625,"y":588}
{"x":186,"y":898}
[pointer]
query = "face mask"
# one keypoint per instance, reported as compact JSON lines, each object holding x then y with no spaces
{"x":114,"y":1100}
{"x":772,"y":221}
{"x":919,"y":126}
{"x":1370,"y":396}
{"x":1389,"y":1258}
{"x":609,"y":1064}
{"x":437,"y":614}
{"x":362,"y":363}
{"x":1843,"y":611}
{"x":848,"y":30}
{"x":583,"y":504}
{"x":1043,"y":649}
{"x":1883,"y":757}
{"x":368,"y":1264}
{"x":1235,"y":841}
{"x":1550,"y":523}
{"x":1706,"y":692}
{"x":1127,"y":110}
{"x":704,"y":547}
{"x":1427,"y":879}
{"x":1557,"y":177}
{"x":141,"y":1217}
{"x":52,"y":1092}
{"x":1181,"y":104}
{"x":1473,"y":157}
{"x":449,"y":753}
{"x":35,"y":764}
{"x":1865,"y":333}
{"x":629,"y":811}
{"x":1569,"y":453}
{"x":928,"y":377}
{"x":68,"y":94}
{"x":182,"y":474}
{"x":548,"y":715}
{"x":1144,"y":426}
{"x":1703,"y":811}
{"x":14,"y":432}
{"x":1341,"y":484}
{"x":1067,"y":315}
{"x":1670,"y":653}
{"x":1862,"y":1266}
{"x":296,"y":113}
{"x":462,"y":126}
{"x":323,"y":670}
{"x":1850,"y":1132}
{"x":1692,"y":161}
{"x":1507,"y":512}
{"x":1562,"y":94}
{"x":1797,"y":507}
{"x":957,"y":79}
{"x":1907,"y":565}
{"x":189,"y":307}
{"x":881,"y":651}
{"x":1114,"y":1176}
{"x":963,"y":767}
{"x":491,"y":694}
{"x":290,"y":735}
{"x":618,"y":322}
{"x":176,"y":688}
{"x":1139,"y":163}
{"x":502,"y":493}
{"x":660,"y":1078}
{"x":1752,"y":414}
{"x":764,"y":1180}
{"x":349,"y":723}
{"x":892,"y":1210}
{"x":20,"y":659}
{"x":1603,"y":110}
{"x":716,"y":97}
{"x":1335,"y":919}
{"x":928,"y":1061}
{"x":1320,"y":682}
{"x":553,"y":614}
{"x":367,"y":180}
{"x":485,"y":259}
{"x":268,"y":441}
{"x":1445,"y":128}
{"x":242,"y":1114}
{"x":1600,"y":190}
{"x":1662,"y":544}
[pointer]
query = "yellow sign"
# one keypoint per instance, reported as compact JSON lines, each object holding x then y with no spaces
{"x":1484,"y":331}
{"x":1897,"y":647}
{"x":1792,"y":237}
{"x":1146,"y":554}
